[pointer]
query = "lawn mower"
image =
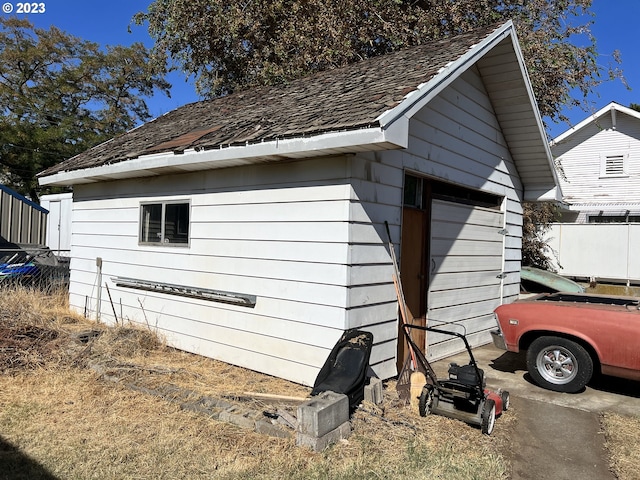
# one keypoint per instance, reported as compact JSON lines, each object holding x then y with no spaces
{"x":463,"y":395}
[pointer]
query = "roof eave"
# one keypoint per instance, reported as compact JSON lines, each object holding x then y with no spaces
{"x":531,"y":187}
{"x":332,"y":143}
{"x":542,"y":193}
{"x":594,"y":118}
{"x":419,"y":98}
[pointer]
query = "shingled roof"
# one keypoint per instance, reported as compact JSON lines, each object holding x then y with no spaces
{"x":364,"y":106}
{"x":340,"y":99}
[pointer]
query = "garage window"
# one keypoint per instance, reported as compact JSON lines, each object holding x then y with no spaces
{"x":165,"y":223}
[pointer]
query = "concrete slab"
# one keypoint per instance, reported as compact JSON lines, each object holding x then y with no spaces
{"x":508,"y":371}
{"x":556,"y":443}
{"x":556,"y":435}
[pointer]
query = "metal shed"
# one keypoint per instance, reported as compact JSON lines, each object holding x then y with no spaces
{"x":21,"y":220}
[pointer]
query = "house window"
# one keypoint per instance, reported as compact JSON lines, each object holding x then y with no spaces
{"x":413,"y":188}
{"x":418,"y":191}
{"x":614,"y":218}
{"x":613,"y":166}
{"x":164,"y":223}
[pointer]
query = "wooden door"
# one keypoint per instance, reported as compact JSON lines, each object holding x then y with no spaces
{"x":413,"y":275}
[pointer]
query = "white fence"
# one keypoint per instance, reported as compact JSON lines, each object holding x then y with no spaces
{"x":604,"y":252}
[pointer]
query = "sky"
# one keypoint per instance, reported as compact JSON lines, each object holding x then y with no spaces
{"x":108,"y":22}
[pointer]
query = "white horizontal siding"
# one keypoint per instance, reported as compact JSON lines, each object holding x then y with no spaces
{"x":458,"y":139}
{"x":580,"y":157}
{"x":306,"y":254}
{"x":306,"y":238}
{"x":287,"y":243}
{"x":372,"y":304}
{"x":465,"y":242}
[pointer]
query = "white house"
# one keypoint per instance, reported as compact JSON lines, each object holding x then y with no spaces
{"x":599,"y":160}
{"x":599,"y":165}
{"x":251,"y":228}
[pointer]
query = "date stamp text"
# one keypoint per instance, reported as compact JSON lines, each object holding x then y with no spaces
{"x":24,"y":7}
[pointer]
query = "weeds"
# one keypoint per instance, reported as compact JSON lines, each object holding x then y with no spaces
{"x":60,"y":416}
{"x":623,"y":445}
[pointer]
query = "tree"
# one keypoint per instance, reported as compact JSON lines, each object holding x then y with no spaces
{"x":536,"y":222}
{"x":228,"y":46}
{"x":60,"y":95}
{"x":232,"y":45}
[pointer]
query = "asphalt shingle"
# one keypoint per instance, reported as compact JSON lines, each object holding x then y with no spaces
{"x":340,"y":99}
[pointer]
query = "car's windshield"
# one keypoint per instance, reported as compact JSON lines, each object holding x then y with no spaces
{"x":569,"y":297}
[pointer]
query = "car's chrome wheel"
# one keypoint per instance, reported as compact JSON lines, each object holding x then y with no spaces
{"x":556,"y":364}
{"x":559,"y":364}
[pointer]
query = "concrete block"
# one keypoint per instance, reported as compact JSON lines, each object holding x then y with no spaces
{"x":323,"y":413}
{"x":373,"y":391}
{"x":267,"y":428}
{"x":211,"y":402}
{"x":317,"y":444}
{"x":237,"y":417}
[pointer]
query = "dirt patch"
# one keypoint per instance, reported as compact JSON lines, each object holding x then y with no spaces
{"x":26,"y":346}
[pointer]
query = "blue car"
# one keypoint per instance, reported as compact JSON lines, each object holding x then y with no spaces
{"x":14,"y":270}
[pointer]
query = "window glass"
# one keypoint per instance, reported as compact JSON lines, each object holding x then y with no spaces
{"x":151,"y":230}
{"x":176,"y":223}
{"x":166,"y":223}
{"x":412,"y":191}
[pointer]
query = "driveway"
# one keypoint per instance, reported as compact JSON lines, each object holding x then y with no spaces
{"x":556,"y":435}
{"x":508,"y":371}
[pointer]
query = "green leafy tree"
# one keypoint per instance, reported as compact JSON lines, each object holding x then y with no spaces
{"x":60,"y":95}
{"x":228,"y":46}
{"x":536,"y":222}
{"x":231,"y":45}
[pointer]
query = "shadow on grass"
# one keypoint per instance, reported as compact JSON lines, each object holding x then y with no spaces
{"x":15,"y":465}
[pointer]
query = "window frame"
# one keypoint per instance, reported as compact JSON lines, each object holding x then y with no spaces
{"x":163,"y":223}
{"x":609,"y":219}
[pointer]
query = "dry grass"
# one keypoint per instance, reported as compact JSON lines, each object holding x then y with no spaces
{"x":623,"y":444}
{"x":59,"y":418}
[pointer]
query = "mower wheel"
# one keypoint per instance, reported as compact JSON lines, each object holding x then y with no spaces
{"x":505,"y":400}
{"x":488,"y":416}
{"x":426,"y":400}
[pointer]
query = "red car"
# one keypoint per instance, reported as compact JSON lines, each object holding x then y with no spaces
{"x":569,"y":336}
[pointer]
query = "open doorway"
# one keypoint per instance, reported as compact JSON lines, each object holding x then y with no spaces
{"x":451,"y":249}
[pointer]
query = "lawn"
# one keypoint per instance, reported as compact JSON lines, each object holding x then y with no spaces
{"x":80,"y":400}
